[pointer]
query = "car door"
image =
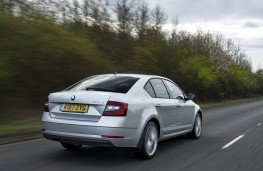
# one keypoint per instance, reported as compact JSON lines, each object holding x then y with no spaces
{"x":165,"y":106}
{"x":184,"y":110}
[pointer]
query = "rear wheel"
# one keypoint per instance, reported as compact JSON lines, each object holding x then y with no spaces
{"x":149,"y":141}
{"x":197,"y":129}
{"x":71,"y":147}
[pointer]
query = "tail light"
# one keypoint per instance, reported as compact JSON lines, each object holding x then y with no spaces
{"x":115,"y":109}
{"x":46,"y":108}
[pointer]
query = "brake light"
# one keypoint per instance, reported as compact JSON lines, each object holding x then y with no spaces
{"x":115,"y":109}
{"x":46,"y":108}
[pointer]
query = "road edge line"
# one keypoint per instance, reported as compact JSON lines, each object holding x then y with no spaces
{"x":232,"y":142}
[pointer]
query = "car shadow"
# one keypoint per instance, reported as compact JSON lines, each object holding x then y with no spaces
{"x":104,"y":157}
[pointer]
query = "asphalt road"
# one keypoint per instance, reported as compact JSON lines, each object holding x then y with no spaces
{"x":232,"y":140}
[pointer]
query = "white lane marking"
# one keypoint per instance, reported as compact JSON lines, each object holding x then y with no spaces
{"x":232,"y":142}
{"x":259,"y":124}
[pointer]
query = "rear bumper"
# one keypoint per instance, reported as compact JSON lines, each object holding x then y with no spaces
{"x":76,"y":140}
{"x":91,"y":135}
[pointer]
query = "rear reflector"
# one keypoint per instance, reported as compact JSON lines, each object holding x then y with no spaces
{"x":46,"y":108}
{"x":115,"y":109}
{"x":107,"y":136}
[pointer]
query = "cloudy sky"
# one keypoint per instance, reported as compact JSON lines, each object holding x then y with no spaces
{"x":240,"y":20}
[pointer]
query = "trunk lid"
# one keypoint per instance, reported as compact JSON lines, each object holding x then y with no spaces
{"x":95,"y":100}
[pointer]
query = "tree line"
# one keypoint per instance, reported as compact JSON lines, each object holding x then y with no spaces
{"x":47,"y":45}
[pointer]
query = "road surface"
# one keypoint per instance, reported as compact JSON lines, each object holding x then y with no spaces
{"x":232,"y":140}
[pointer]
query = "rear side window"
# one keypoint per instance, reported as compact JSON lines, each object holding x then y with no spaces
{"x":110,"y":83}
{"x":159,"y":88}
{"x":149,"y":89}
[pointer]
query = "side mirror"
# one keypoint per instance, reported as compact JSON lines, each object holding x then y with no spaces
{"x":190,"y":96}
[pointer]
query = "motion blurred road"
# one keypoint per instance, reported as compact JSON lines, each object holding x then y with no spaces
{"x":232,"y":139}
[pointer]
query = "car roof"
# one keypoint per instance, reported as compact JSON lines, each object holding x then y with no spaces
{"x":144,"y":76}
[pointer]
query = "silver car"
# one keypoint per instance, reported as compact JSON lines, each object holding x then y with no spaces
{"x":121,"y":110}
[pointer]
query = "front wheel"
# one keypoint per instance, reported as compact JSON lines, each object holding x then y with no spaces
{"x":149,"y":141}
{"x":71,"y":147}
{"x":197,"y":129}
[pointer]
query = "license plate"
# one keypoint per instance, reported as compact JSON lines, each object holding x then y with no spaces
{"x":77,"y":108}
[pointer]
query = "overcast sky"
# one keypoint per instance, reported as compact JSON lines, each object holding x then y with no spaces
{"x":241,"y":20}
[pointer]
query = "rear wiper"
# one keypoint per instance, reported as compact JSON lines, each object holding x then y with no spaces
{"x":99,"y":89}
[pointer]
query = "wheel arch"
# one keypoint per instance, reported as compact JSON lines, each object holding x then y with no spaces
{"x":200,"y":113}
{"x":155,"y":120}
{"x":157,"y":123}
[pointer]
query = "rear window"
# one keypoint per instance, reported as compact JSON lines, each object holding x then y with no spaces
{"x":113,"y":83}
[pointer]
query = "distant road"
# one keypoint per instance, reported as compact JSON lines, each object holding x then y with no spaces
{"x":232,"y":140}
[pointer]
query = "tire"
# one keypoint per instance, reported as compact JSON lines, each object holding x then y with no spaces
{"x":71,"y":147}
{"x":149,"y":141}
{"x":197,"y":129}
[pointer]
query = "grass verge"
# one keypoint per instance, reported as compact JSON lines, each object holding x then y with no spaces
{"x":205,"y":106}
{"x":15,"y":129}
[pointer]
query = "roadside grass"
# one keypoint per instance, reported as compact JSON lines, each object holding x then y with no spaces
{"x":227,"y":103}
{"x":22,"y":127}
{"x":14,"y":129}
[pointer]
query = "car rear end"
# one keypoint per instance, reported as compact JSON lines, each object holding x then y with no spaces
{"x":86,"y":114}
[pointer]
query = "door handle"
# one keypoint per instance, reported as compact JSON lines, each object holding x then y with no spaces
{"x":179,"y":105}
{"x":158,"y":106}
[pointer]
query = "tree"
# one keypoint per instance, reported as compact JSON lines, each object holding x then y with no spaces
{"x":142,"y":21}
{"x":124,"y":11}
{"x":6,"y":7}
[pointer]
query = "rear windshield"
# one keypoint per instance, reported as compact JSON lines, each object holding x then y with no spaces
{"x":113,"y":83}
